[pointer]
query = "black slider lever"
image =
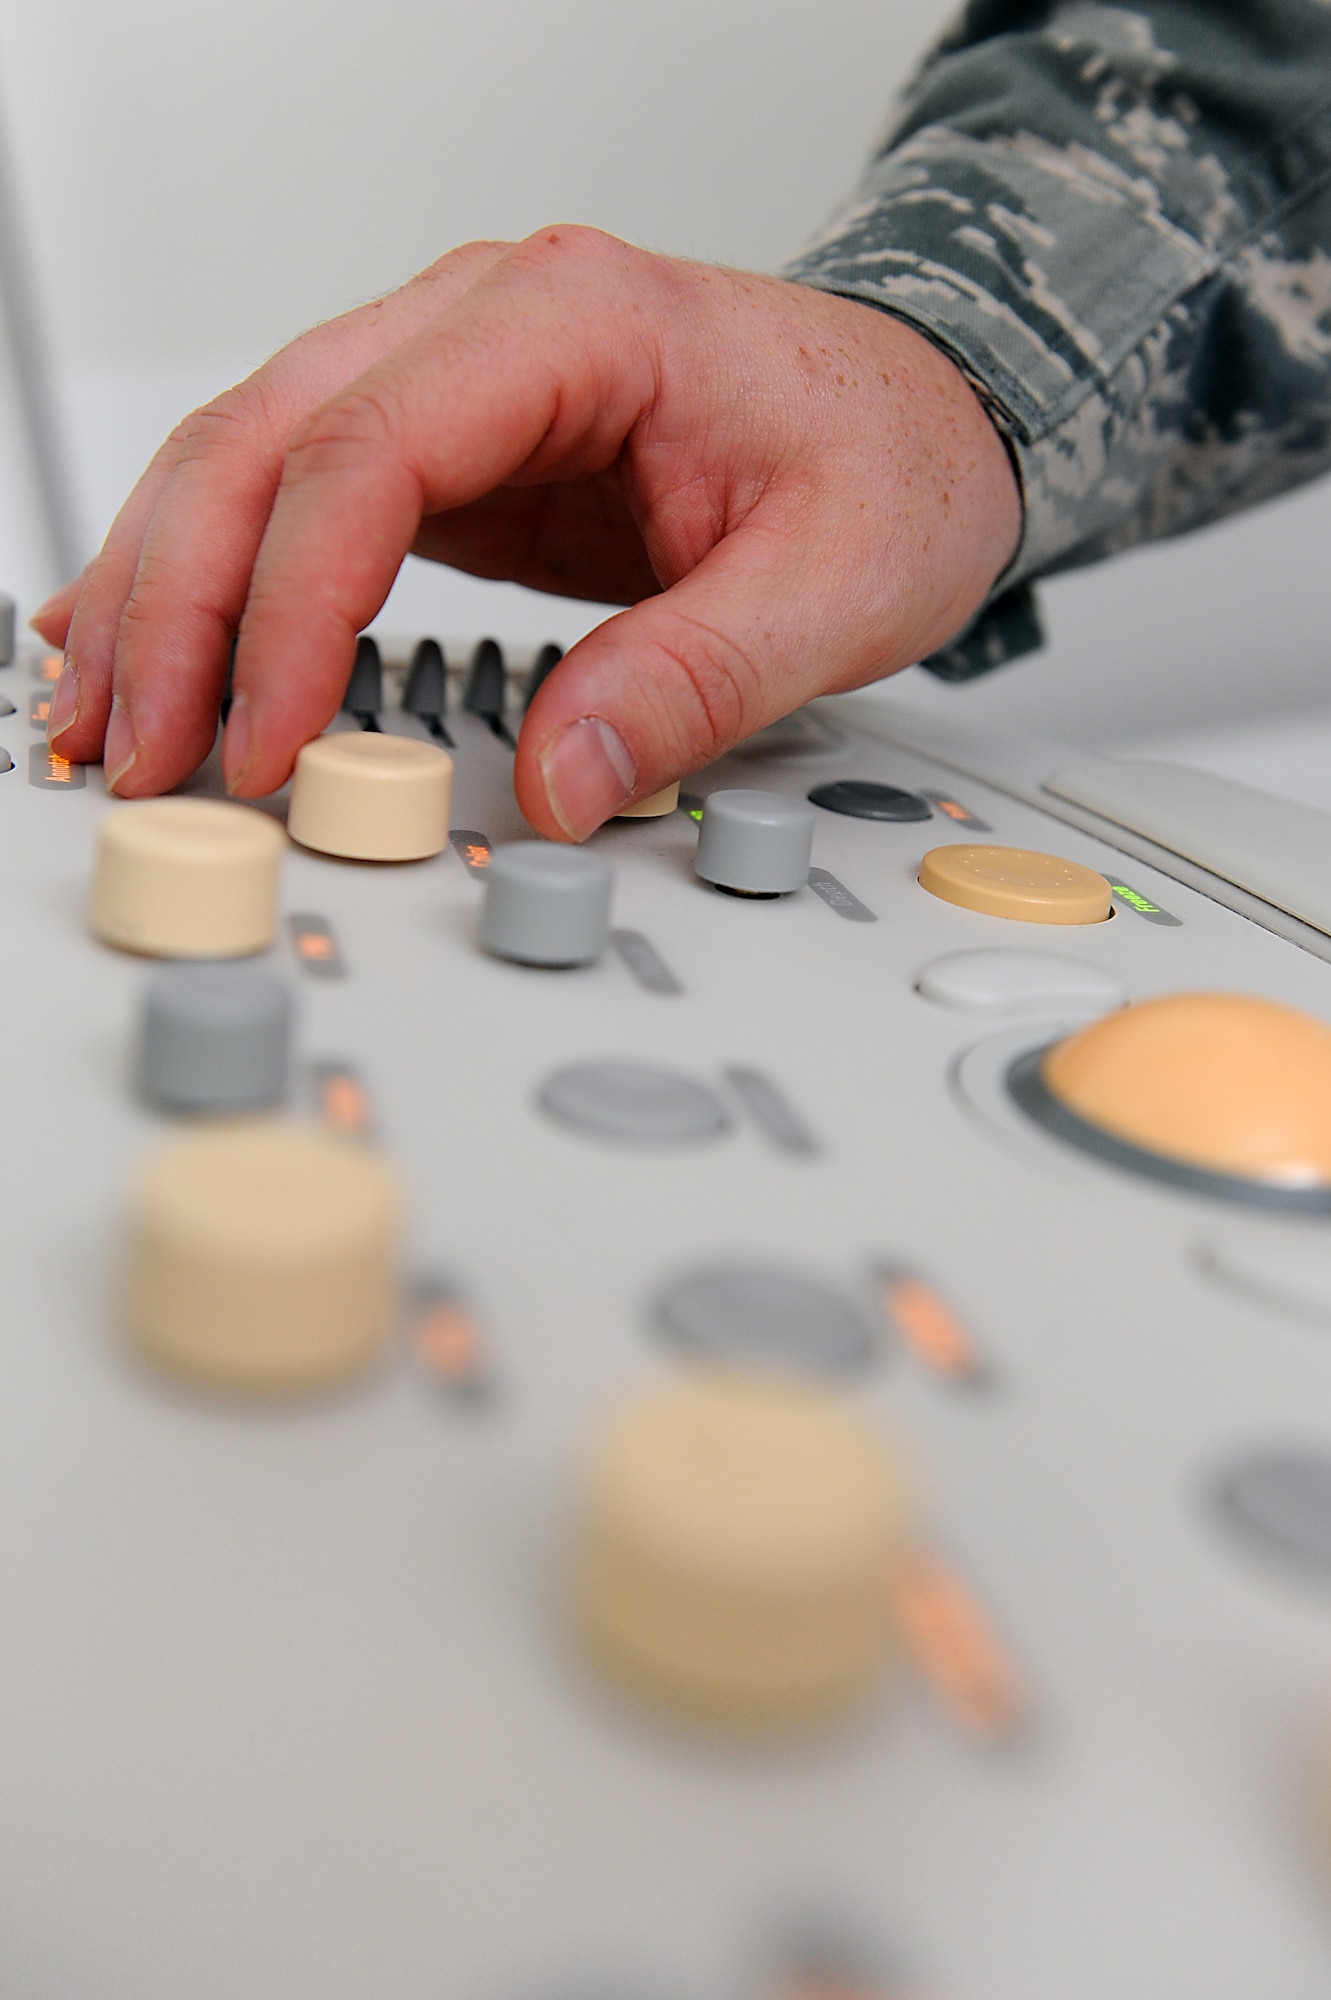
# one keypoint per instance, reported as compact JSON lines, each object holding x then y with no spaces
{"x":541,"y":669}
{"x":365,"y":690}
{"x":485,"y":690}
{"x":426,"y":693}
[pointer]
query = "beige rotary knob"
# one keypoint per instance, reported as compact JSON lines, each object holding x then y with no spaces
{"x":736,"y":1535}
{"x":371,"y":798}
{"x":187,"y":878}
{"x":655,"y":806}
{"x":263,"y":1258}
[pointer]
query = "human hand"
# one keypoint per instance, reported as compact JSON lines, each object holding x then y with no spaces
{"x":795,"y":493}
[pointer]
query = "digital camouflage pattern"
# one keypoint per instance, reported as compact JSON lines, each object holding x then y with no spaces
{"x":1117,"y":220}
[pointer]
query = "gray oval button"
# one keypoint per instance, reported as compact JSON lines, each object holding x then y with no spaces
{"x":765,"y":1314}
{"x":1283,"y":1500}
{"x":634,"y":1103}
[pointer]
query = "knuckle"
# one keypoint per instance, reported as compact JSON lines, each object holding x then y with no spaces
{"x":353,"y":427}
{"x":234,"y":422}
{"x":218,"y":425}
{"x":572,"y":246}
{"x":707,"y":683}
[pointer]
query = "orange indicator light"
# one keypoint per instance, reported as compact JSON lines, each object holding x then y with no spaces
{"x":41,"y":709}
{"x":57,"y":769}
{"x":314,"y":945}
{"x":477,"y":857}
{"x":826,"y":1983}
{"x":448,"y":1344}
{"x":952,"y":809}
{"x":955,"y":1648}
{"x":343,"y":1103}
{"x":48,"y":668}
{"x":932,"y":1329}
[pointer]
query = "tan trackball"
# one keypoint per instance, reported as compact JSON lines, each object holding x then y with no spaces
{"x":187,"y":878}
{"x":1224,"y":1081}
{"x":735,"y":1537}
{"x":262,"y":1258}
{"x":368,"y":797}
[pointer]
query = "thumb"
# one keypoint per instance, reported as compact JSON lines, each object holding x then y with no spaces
{"x":669,"y":685}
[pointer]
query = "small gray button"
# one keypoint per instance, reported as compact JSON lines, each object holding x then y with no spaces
{"x":546,"y":905}
{"x":755,"y":843}
{"x":989,"y":980}
{"x":763,"y":1314}
{"x":214,"y":1038}
{"x":635,"y":1104}
{"x":1283,"y":1500}
{"x":1294,"y":1275}
{"x":8,"y":614}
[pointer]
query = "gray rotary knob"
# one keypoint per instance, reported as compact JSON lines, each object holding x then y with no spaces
{"x":755,"y":843}
{"x":214,"y":1038}
{"x":546,"y":905}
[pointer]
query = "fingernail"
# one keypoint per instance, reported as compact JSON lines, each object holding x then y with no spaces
{"x":236,"y":742}
{"x":119,"y":749}
{"x":64,"y":702}
{"x":588,"y":775}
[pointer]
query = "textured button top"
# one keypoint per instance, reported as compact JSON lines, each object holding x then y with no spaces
{"x":187,"y":878}
{"x":371,"y":798}
{"x":1016,"y":882}
{"x":759,"y":843}
{"x":214,"y":1038}
{"x":546,"y":904}
{"x":1220,"y":1081}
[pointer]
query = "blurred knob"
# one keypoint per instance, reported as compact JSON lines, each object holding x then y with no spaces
{"x":755,"y":843}
{"x":734,"y":1542}
{"x":262,"y":1258}
{"x":187,"y":878}
{"x":546,"y":905}
{"x":371,"y":798}
{"x":214,"y":1038}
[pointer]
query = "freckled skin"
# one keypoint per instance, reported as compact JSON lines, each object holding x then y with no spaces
{"x":791,"y":492}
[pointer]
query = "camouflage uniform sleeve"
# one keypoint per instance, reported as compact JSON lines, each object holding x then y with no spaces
{"x":1117,"y":221}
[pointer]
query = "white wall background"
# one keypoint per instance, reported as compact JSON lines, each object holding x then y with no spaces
{"x":200,"y":181}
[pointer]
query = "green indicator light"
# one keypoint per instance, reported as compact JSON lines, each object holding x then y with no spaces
{"x":1137,"y":901}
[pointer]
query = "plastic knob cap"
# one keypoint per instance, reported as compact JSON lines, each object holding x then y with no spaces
{"x":371,"y":798}
{"x":546,"y":905}
{"x":735,"y":1538}
{"x":187,"y":878}
{"x":755,"y":843}
{"x":214,"y":1038}
{"x":263,"y":1258}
